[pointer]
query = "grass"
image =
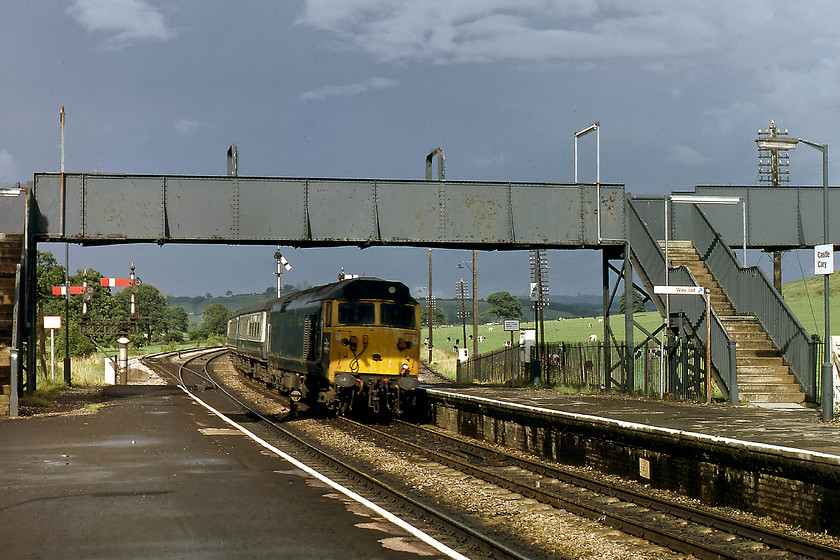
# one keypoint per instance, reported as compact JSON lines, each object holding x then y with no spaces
{"x":566,"y":330}
{"x":805,"y":298}
{"x":86,"y":372}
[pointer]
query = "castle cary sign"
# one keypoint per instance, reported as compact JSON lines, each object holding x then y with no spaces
{"x":824,"y":259}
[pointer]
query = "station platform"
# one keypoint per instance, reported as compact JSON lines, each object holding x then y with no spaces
{"x":145,"y":472}
{"x":793,"y":426}
{"x":777,"y":461}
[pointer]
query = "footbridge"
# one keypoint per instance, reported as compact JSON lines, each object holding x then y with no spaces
{"x":629,"y":231}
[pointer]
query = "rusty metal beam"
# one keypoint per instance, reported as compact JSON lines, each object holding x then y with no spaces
{"x":306,"y":212}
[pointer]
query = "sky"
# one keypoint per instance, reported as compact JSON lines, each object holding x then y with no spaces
{"x":367,"y":88}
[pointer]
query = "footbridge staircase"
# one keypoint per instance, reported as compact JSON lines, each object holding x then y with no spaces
{"x":760,"y":351}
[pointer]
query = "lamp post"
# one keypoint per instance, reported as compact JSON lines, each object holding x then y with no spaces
{"x":787,"y":143}
{"x":474,"y":270}
{"x":594,"y":127}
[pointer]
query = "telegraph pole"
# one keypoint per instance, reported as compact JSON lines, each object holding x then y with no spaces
{"x":539,"y":276}
{"x":773,"y":171}
{"x":430,"y":305}
{"x":461,"y":293}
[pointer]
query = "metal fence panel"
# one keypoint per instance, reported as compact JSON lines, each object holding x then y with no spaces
{"x":12,"y":212}
{"x":537,"y":206}
{"x":580,"y":366}
{"x":271,"y":209}
{"x":483,"y":212}
{"x":419,"y":219}
{"x":342,"y":210}
{"x":104,"y":209}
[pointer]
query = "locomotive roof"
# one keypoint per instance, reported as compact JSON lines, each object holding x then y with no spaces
{"x":354,"y":288}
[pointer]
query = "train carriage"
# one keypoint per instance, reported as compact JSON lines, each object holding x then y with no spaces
{"x":347,"y":345}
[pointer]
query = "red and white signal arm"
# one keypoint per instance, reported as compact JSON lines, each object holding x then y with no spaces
{"x":62,"y":290}
{"x":52,"y":321}
{"x":116,"y":282}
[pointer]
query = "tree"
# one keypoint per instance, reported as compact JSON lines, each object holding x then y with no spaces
{"x":151,"y":305}
{"x":504,"y":306}
{"x":438,"y":316}
{"x":638,"y":303}
{"x":102,"y":306}
{"x":214,"y":318}
{"x":49,"y":273}
{"x":176,"y":320}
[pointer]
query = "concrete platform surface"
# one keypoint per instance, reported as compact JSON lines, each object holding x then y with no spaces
{"x":151,"y":474}
{"x":794,"y":426}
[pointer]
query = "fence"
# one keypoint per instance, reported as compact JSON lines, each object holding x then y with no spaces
{"x":580,"y":366}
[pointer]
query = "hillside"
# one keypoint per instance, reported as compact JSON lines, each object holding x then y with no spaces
{"x":804,"y":297}
{"x":565,"y":306}
{"x":195,"y":305}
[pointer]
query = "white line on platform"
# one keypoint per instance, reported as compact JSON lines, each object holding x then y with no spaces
{"x":344,"y":490}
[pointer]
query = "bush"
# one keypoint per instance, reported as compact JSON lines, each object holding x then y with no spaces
{"x":173,"y":337}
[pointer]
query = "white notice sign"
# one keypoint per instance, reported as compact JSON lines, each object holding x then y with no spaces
{"x":824,"y":259}
{"x":511,"y":324}
{"x":678,"y":290}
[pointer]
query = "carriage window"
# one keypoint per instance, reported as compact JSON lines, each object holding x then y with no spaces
{"x":351,"y":313}
{"x":397,"y":315}
{"x":328,"y":314}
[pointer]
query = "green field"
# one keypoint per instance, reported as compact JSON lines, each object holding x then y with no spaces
{"x":567,"y":330}
{"x":805,"y":298}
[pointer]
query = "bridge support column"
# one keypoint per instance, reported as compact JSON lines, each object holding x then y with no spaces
{"x":629,"y":306}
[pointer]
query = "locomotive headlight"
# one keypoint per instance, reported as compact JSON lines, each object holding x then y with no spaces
{"x":345,"y":380}
{"x":404,"y":368}
{"x":354,"y":342}
{"x":408,"y":383}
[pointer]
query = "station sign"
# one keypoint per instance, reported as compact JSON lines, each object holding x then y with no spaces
{"x":511,"y":324}
{"x":679,"y":290}
{"x":824,"y":259}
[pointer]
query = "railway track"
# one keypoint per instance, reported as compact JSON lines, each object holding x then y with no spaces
{"x":673,"y":525}
{"x":194,"y":375}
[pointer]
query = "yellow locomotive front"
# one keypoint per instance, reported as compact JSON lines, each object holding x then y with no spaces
{"x":374,"y":350}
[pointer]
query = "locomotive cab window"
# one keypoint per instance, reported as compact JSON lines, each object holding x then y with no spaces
{"x":397,"y":315}
{"x":356,"y":313}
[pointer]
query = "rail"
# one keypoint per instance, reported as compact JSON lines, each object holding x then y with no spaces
{"x":649,"y":261}
{"x":751,"y":293}
{"x":646,"y":254}
{"x":693,"y":310}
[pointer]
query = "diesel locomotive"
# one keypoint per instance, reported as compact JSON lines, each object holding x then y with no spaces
{"x":347,"y":346}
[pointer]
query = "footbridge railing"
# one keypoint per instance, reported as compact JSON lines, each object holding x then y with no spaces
{"x":649,"y":260}
{"x":751,"y":293}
